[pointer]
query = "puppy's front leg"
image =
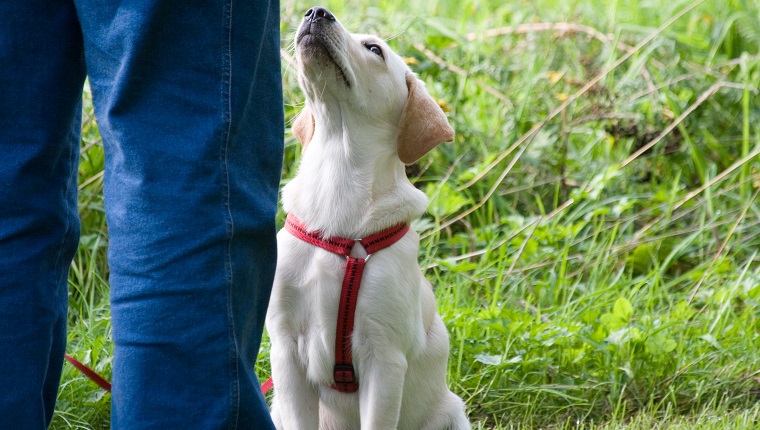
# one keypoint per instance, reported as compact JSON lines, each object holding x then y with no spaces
{"x":380,"y":390}
{"x":295,"y":405}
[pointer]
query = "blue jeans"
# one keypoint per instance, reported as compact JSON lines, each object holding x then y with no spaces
{"x":188,"y":98}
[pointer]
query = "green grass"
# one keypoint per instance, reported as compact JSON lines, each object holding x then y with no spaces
{"x":594,"y":229}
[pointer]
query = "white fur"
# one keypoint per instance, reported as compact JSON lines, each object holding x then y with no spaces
{"x":351,"y":183}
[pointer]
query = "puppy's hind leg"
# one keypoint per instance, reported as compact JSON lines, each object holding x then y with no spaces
{"x":450,"y":415}
{"x":275,"y":412}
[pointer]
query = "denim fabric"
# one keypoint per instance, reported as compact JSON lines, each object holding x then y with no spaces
{"x":188,"y":99}
{"x":41,"y":77}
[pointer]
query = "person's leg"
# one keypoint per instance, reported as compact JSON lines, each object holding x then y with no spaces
{"x":41,"y":81}
{"x":189,"y":103}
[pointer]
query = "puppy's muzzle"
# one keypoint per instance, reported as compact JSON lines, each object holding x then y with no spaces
{"x":316,"y":13}
{"x":320,"y":35}
{"x":314,"y":19}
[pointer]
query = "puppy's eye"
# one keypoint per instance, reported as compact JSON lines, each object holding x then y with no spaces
{"x":375,"y":49}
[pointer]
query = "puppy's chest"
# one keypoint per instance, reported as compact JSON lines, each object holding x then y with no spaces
{"x":387,"y":307}
{"x":381,"y":285}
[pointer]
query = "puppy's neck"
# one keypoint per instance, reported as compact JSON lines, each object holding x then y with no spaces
{"x":351,"y":186}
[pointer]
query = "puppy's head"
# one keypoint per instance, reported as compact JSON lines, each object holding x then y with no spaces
{"x":358,"y":81}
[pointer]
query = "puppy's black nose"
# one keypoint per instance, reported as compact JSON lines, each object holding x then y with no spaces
{"x":316,"y":13}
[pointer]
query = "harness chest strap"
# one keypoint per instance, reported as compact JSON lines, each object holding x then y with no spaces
{"x":343,"y":371}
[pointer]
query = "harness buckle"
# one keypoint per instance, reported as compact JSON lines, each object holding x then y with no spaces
{"x":344,"y":374}
{"x":345,"y":379}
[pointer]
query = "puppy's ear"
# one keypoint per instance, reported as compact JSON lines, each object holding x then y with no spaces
{"x":303,"y":126}
{"x":423,"y":125}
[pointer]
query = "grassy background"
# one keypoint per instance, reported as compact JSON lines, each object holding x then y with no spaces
{"x":593,"y":231}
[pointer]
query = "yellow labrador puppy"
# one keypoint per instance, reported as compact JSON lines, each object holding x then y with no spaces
{"x":344,"y":358}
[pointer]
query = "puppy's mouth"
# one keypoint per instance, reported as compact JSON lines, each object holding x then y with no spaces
{"x":319,"y":40}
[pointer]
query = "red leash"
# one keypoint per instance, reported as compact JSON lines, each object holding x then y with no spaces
{"x":89,"y":373}
{"x":267,"y":385}
{"x":94,"y":377}
{"x":343,"y":370}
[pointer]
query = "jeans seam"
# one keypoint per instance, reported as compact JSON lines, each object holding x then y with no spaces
{"x":67,"y":229}
{"x":229,"y":222}
{"x":263,"y":41}
{"x":61,"y":273}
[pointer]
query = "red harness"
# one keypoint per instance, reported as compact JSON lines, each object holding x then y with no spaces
{"x":343,"y":371}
